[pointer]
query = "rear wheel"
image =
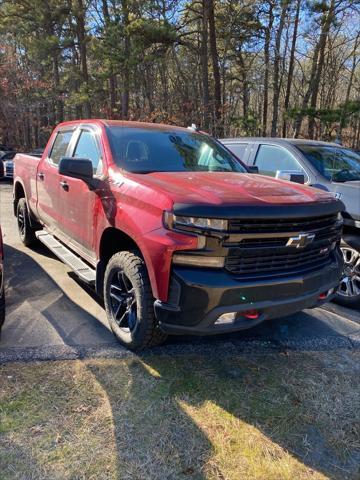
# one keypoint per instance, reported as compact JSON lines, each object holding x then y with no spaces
{"x":348,"y":293}
{"x":26,"y":232}
{"x":129,"y":302}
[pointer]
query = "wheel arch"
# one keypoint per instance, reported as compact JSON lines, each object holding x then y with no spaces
{"x":19,"y":192}
{"x":114,"y":240}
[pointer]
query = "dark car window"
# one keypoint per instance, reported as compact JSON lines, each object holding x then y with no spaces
{"x":238,"y":149}
{"x":8,"y":156}
{"x":87,"y":147}
{"x":60,"y":146}
{"x":335,"y":163}
{"x":147,"y":150}
{"x":270,"y":159}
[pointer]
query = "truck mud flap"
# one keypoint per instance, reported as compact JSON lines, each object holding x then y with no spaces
{"x":80,"y":268}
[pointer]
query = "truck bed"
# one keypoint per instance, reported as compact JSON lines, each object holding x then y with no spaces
{"x":25,"y":171}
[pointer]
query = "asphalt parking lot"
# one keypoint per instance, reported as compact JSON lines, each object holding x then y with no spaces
{"x":51,"y":315}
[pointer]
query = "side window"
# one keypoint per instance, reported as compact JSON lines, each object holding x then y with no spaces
{"x":60,"y":146}
{"x":238,"y":149}
{"x":87,"y":147}
{"x":270,"y":158}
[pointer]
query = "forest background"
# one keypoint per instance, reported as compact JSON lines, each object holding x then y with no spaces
{"x":232,"y":67}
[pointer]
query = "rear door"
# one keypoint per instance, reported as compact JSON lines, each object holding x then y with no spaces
{"x":77,"y":200}
{"x":48,"y":180}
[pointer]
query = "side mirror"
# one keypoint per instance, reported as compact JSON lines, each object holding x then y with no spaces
{"x":291,"y":176}
{"x":253,"y":169}
{"x":80,"y":168}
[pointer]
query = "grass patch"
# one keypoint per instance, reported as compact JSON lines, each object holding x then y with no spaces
{"x":271,"y":416}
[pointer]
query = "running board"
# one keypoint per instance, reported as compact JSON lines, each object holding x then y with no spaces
{"x":80,"y":268}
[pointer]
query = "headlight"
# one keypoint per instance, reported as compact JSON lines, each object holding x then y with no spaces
{"x":182,"y":222}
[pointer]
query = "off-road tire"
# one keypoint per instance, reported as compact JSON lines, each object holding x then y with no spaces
{"x":26,"y":231}
{"x":353,"y":242}
{"x":147,"y":332}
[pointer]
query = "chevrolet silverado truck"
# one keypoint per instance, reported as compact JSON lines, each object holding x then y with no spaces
{"x":175,"y":233}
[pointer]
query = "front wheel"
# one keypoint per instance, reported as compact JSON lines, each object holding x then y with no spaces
{"x":129,"y":302}
{"x":348,"y":293}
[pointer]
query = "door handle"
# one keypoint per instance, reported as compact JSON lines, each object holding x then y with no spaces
{"x":65,"y":186}
{"x":41,"y":176}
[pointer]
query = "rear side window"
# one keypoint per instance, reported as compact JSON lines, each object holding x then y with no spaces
{"x":87,"y":148}
{"x":269,"y":159}
{"x":60,"y":146}
{"x":238,"y":149}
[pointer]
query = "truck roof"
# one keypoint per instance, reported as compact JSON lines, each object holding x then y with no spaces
{"x":124,"y":123}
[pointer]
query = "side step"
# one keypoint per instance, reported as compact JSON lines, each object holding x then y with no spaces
{"x":82,"y":270}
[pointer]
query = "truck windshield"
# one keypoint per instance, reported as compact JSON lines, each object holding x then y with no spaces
{"x":144,"y":150}
{"x":335,"y":163}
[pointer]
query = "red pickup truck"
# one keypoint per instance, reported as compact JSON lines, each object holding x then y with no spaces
{"x":174,"y":232}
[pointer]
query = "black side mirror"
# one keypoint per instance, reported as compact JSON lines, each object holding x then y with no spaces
{"x":291,"y":176}
{"x":253,"y":169}
{"x":76,"y":168}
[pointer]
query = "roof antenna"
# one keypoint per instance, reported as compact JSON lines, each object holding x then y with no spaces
{"x":193,"y":127}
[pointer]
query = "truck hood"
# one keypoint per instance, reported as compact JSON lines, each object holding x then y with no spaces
{"x":217,"y":188}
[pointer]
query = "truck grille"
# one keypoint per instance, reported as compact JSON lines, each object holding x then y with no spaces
{"x":256,"y":256}
{"x":281,"y":224}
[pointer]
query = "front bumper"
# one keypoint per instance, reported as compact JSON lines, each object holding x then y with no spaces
{"x":198,"y":297}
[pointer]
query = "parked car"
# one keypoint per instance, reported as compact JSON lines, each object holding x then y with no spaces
{"x":326,"y":166}
{"x":7,"y":164}
{"x":5,"y":148}
{"x":173,"y":231}
{"x":2,"y":289}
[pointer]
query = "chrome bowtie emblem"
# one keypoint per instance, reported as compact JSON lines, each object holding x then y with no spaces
{"x":301,"y":241}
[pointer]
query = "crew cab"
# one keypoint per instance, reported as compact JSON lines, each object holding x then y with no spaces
{"x":174,"y":232}
{"x":324,"y":165}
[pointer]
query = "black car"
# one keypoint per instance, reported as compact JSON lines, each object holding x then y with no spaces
{"x":323,"y":165}
{"x":5,"y":148}
{"x":2,"y":290}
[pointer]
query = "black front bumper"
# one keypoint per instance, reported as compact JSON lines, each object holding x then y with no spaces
{"x":198,"y":297}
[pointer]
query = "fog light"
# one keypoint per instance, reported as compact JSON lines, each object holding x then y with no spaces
{"x":226,"y":318}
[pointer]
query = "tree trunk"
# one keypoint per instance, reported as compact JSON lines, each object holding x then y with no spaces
{"x":276,"y":83}
{"x":268,"y":31}
{"x":216,"y":70}
{"x":315,"y":74}
{"x":112,"y":76}
{"x":291,"y":66}
{"x":204,"y":65}
{"x":323,"y":39}
{"x":126,"y":67}
{"x":81,"y":36}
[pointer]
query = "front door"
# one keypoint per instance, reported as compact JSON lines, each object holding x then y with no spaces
{"x":77,"y":200}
